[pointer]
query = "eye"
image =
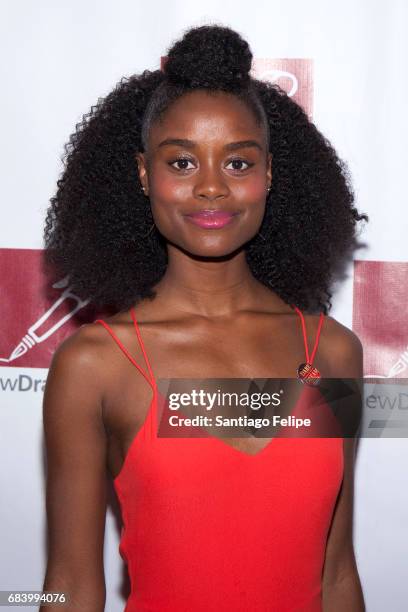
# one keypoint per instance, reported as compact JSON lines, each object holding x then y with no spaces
{"x":181,"y":160}
{"x":238,"y":160}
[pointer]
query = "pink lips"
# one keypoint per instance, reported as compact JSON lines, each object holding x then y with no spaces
{"x":211,"y":219}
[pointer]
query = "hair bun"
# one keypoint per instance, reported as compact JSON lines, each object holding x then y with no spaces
{"x":209,"y":56}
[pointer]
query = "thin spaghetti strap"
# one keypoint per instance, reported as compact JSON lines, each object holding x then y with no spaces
{"x":319,"y":328}
{"x":153,"y":420}
{"x":126,"y":352}
{"x":309,"y":359}
{"x":132,"y":312}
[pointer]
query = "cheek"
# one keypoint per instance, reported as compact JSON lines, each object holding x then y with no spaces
{"x":168,"y":197}
{"x":251,"y":191}
{"x":168,"y":188}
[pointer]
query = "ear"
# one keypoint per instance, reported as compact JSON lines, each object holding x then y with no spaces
{"x":269,"y":169}
{"x":142,"y":171}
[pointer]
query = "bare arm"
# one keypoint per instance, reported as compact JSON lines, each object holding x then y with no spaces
{"x":342,"y":589}
{"x":76,"y":474}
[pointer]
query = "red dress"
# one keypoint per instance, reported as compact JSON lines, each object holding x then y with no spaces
{"x":209,"y":528}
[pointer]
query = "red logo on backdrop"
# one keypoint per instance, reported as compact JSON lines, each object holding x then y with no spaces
{"x":380,"y":316}
{"x":295,"y":76}
{"x":36,"y":315}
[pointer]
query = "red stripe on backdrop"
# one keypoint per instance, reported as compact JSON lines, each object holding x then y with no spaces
{"x":380,"y":316}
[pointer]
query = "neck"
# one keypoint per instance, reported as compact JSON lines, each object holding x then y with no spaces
{"x":208,"y":287}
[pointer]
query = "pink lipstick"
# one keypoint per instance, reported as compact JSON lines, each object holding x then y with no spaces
{"x":211,"y":219}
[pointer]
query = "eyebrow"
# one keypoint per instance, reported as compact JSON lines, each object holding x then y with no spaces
{"x":231,"y":146}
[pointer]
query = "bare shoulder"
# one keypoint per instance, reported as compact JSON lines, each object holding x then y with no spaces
{"x":342,"y":349}
{"x":81,"y":356}
{"x":84,"y":344}
{"x":345,"y":338}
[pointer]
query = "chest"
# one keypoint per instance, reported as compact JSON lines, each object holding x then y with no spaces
{"x":197,"y":353}
{"x":261,"y":351}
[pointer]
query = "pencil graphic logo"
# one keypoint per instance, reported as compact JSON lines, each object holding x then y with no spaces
{"x":50,"y":322}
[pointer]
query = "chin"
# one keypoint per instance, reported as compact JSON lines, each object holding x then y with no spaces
{"x":212,"y":249}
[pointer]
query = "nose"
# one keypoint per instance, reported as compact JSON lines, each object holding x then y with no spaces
{"x":211,"y":185}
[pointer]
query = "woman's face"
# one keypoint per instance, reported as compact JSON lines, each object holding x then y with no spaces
{"x":206,"y":171}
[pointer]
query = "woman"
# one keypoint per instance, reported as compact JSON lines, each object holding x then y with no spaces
{"x":206,"y":209}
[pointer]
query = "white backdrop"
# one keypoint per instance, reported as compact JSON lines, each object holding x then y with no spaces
{"x":57,"y":59}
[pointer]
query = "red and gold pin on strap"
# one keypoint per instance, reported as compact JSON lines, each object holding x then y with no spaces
{"x":306,"y":372}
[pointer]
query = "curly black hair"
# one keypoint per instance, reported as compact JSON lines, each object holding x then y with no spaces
{"x":98,"y":228}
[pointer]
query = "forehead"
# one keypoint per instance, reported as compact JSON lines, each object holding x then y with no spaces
{"x":207,"y":116}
